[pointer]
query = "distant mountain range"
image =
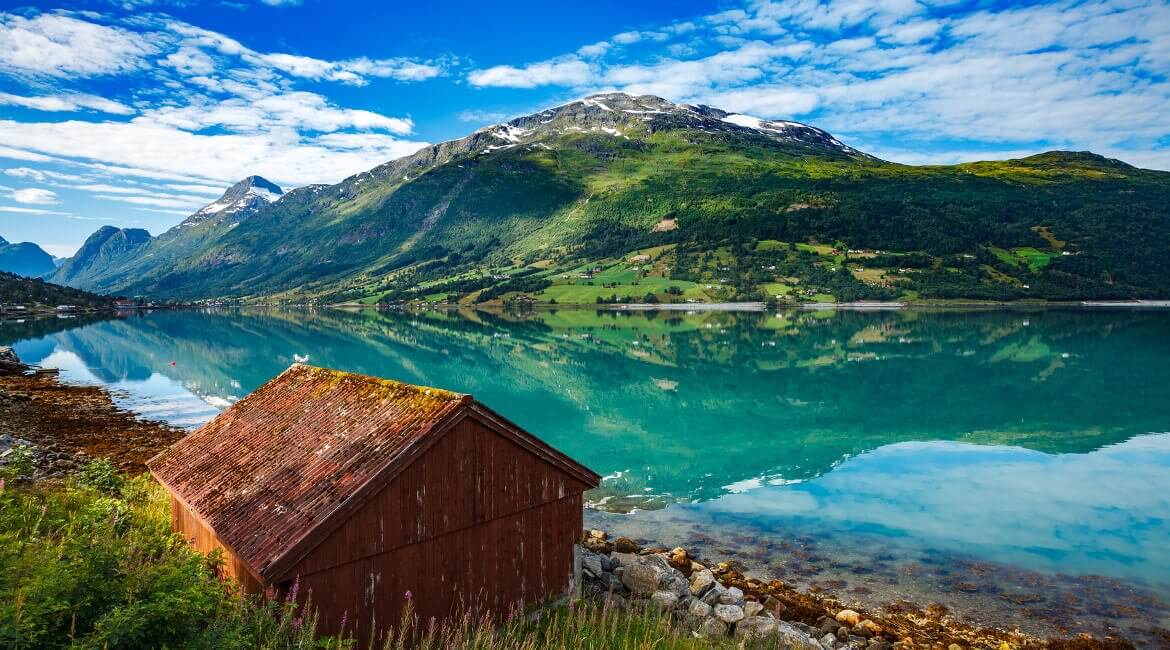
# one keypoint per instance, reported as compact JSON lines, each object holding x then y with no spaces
{"x":616,"y":197}
{"x":25,"y":258}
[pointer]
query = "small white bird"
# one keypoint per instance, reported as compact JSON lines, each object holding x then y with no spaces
{"x":301,"y":358}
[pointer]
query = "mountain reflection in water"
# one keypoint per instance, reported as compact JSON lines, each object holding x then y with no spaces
{"x":1028,"y":438}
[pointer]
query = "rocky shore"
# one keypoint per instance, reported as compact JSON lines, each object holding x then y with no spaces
{"x":67,"y":425}
{"x":716,"y":600}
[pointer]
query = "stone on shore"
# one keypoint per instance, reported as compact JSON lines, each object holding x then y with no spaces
{"x":848,"y":617}
{"x":698,"y":609}
{"x":729,"y":613}
{"x":626,"y":545}
{"x":733,"y":596}
{"x":714,"y":595}
{"x":794,"y":639}
{"x":591,"y":563}
{"x":752,"y":608}
{"x":701,"y":581}
{"x":640,"y":579}
{"x":755,"y":627}
{"x":664,"y":600}
{"x":712,"y":628}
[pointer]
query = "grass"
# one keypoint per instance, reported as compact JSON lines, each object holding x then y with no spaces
{"x":92,"y":563}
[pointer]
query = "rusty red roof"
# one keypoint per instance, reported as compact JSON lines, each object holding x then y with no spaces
{"x":277,"y":464}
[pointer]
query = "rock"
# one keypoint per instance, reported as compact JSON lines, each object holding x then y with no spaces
{"x":773,"y":604}
{"x":597,"y":545}
{"x":848,"y":617}
{"x":664,"y":600}
{"x":626,"y":545}
{"x":712,"y":628}
{"x":795,"y":639}
{"x":829,"y":641}
{"x":752,"y":608}
{"x":591,"y":563}
{"x":624,"y":559}
{"x":867,"y":628}
{"x":728,"y":613}
{"x":701,"y":581}
{"x":596,"y":534}
{"x":695,"y":566}
{"x":613,"y":583}
{"x":640,"y":579}
{"x":843,"y":633}
{"x":879,"y":644}
{"x":699,"y":609}
{"x":828,"y":625}
{"x":755,"y":627}
{"x":954,"y":646}
{"x":678,"y":586}
{"x":714,"y":594}
{"x":680,"y":560}
{"x":617,"y":602}
{"x":733,"y":596}
{"x":608,"y":563}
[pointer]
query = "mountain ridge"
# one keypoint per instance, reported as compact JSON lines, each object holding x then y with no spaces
{"x":612,"y":174}
{"x":25,"y":259}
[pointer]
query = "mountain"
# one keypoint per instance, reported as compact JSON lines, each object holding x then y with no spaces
{"x":114,"y":258}
{"x":616,"y":197}
{"x":25,"y":259}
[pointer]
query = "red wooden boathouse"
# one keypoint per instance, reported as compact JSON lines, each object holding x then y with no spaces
{"x":365,"y":489}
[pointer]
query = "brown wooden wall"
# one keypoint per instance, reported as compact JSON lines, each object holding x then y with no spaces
{"x":475,"y":518}
{"x":203,"y":538}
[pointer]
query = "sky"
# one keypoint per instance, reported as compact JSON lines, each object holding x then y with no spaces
{"x":135,"y":113}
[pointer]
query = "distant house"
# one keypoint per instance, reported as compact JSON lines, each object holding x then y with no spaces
{"x":640,"y":258}
{"x":67,"y":308}
{"x":123,"y":303}
{"x":364,"y":489}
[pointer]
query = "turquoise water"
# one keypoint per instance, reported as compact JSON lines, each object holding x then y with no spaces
{"x":1014,"y":466}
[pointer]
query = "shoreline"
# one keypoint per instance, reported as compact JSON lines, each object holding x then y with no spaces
{"x":759,"y":307}
{"x":70,"y":424}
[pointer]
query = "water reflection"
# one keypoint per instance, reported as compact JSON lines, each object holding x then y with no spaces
{"x":1027,"y":439}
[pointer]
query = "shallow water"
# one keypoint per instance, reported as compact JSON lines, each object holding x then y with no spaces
{"x":1013,"y":466}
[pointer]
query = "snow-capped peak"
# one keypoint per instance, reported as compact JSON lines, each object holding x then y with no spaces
{"x":249,"y":194}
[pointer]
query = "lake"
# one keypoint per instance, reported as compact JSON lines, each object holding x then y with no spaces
{"x":1013,"y":466}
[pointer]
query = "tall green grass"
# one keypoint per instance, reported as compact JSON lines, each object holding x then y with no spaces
{"x":92,"y":563}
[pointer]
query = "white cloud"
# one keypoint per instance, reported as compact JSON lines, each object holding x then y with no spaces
{"x":67,"y":102}
{"x":42,"y":174}
{"x":160,"y":201}
{"x":20,"y":154}
{"x":34,"y":196}
{"x":569,"y":72}
{"x":197,"y":189}
{"x":282,"y":3}
{"x":16,"y":210}
{"x":154,"y":150}
{"x":58,"y":45}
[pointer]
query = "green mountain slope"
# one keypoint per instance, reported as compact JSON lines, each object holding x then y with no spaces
{"x":18,"y":290}
{"x":25,"y":259}
{"x":622,"y":197}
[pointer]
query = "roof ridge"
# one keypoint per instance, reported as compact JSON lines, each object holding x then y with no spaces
{"x":440,"y":393}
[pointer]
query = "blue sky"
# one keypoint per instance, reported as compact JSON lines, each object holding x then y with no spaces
{"x":138,"y":112}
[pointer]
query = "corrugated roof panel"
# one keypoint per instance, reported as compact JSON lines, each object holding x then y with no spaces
{"x":277,"y":464}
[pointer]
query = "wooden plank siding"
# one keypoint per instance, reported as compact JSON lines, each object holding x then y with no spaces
{"x":477,"y":517}
{"x":187,"y":524}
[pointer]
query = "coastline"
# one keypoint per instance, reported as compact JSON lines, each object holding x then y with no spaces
{"x":69,"y":424}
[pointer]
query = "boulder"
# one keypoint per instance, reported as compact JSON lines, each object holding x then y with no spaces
{"x":773,"y":604}
{"x":712,"y":628}
{"x":848,"y":617}
{"x":867,"y":628}
{"x":591,"y":563}
{"x":698,"y":609}
{"x":733,"y":596}
{"x":752,"y":608}
{"x":596,"y":534}
{"x":714,"y":595}
{"x":795,"y":639}
{"x":640,"y":579}
{"x":701,"y":581}
{"x":626,"y":545}
{"x":680,"y":560}
{"x":729,"y":614}
{"x":624,"y":559}
{"x":678,"y":586}
{"x":755,"y":627}
{"x":664,"y":600}
{"x":829,"y":641}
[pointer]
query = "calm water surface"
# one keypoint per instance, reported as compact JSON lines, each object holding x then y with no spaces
{"x":1013,"y":466}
